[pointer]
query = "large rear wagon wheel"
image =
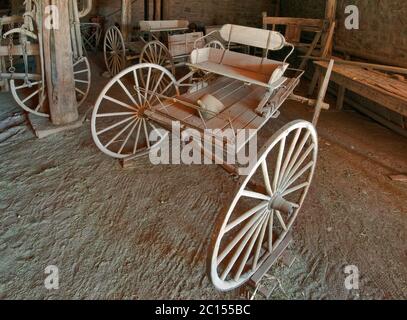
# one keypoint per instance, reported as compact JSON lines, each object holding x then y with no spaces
{"x":120,"y":127}
{"x":265,"y":207}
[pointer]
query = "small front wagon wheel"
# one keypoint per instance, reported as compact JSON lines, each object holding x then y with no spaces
{"x":265,"y":207}
{"x":120,"y":125}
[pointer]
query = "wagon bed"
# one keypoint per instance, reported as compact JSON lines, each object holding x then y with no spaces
{"x":240,"y":101}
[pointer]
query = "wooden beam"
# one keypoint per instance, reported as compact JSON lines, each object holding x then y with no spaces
{"x":59,"y":67}
{"x":317,"y":23}
{"x":126,"y":19}
{"x":322,"y":93}
{"x":330,"y":10}
{"x":362,"y":64}
{"x":17,"y":50}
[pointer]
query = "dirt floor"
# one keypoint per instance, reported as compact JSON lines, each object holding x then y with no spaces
{"x":144,"y":233}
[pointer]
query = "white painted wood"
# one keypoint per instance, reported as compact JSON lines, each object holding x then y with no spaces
{"x":120,"y":126}
{"x":254,"y":37}
{"x":232,"y":262}
{"x":163,"y":25}
{"x":243,"y":67}
{"x":114,"y":51}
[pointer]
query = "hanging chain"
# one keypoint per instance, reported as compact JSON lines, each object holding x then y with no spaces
{"x":12,"y":69}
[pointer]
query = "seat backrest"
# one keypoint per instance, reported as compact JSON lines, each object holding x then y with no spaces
{"x":254,"y":37}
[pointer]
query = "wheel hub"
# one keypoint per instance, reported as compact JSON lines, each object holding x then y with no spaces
{"x":280,"y":204}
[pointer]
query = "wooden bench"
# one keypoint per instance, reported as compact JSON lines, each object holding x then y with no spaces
{"x":373,"y":85}
{"x":249,"y":69}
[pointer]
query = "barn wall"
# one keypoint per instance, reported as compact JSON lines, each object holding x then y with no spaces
{"x":209,"y":12}
{"x":381,"y":36}
{"x":213,"y":12}
{"x":382,"y":26}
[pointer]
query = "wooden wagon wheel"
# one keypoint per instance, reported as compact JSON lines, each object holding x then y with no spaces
{"x":156,"y":52}
{"x":82,"y":77}
{"x":265,"y":207}
{"x":32,"y":96}
{"x":120,"y":127}
{"x":114,"y":51}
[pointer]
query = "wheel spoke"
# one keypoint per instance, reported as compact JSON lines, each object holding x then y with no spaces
{"x":32,"y":95}
{"x":260,"y":242}
{"x":81,"y":71}
{"x":137,"y":87}
{"x":155,"y":129}
{"x":270,"y":235}
{"x":249,"y":249}
{"x":115,"y":114}
{"x":266,"y":177}
{"x":147,"y":84}
{"x":81,"y":81}
{"x":255,"y":195}
{"x":239,"y":250}
{"x":245,"y":216}
{"x":278,"y":165}
{"x":137,"y":137}
{"x":146,"y":133}
{"x":299,"y":174}
{"x":298,"y":152}
{"x":296,"y":188}
{"x":127,"y":93}
{"x":114,"y":126}
{"x":120,"y":133}
{"x":298,"y":165}
{"x":26,"y":85}
{"x":280,"y":218}
{"x":128,"y":136}
{"x":289,"y":155}
{"x":125,"y":105}
{"x":156,"y":87}
{"x":239,"y":236}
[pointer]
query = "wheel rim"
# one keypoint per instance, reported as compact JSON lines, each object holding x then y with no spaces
{"x":258,"y":220}
{"x":82,"y":78}
{"x":120,"y":127}
{"x":157,"y":53}
{"x":31,"y":96}
{"x":114,"y":51}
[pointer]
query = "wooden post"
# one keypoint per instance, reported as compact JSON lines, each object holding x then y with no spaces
{"x":330,"y":15}
{"x":158,"y":8}
{"x":327,"y":42}
{"x":126,"y":19}
{"x":59,"y":66}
